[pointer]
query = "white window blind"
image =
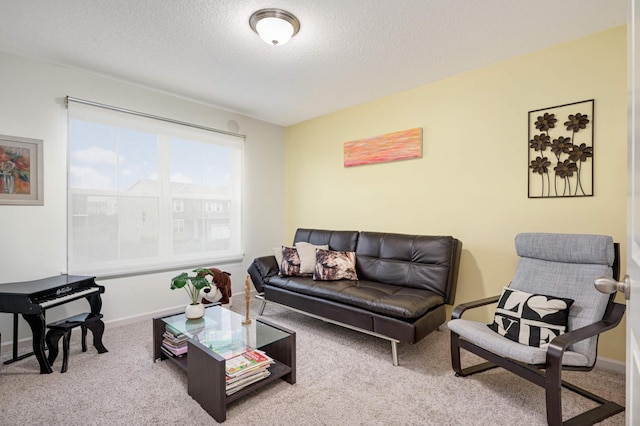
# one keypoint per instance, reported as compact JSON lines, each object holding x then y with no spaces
{"x":141,"y":191}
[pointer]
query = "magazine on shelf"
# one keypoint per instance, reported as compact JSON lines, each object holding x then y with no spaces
{"x":175,"y":350}
{"x":174,"y":343}
{"x":246,"y":381}
{"x":174,"y":332}
{"x":178,"y":338}
{"x":250,"y":360}
{"x":171,"y":346}
{"x":172,"y":340}
{"x":254,"y":371}
{"x":170,"y":354}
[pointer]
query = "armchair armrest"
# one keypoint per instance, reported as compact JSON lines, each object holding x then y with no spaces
{"x":459,"y":310}
{"x":261,"y":269}
{"x":560,"y":344}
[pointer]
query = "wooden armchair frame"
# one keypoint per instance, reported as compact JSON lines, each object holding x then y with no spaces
{"x":551,"y":378}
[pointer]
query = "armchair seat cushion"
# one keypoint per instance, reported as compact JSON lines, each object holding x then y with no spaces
{"x":480,"y":335}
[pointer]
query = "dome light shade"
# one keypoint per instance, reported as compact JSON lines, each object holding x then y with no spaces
{"x":274,"y":30}
{"x":274,"y":26}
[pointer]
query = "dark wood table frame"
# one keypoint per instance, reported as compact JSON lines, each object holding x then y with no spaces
{"x":206,"y":369}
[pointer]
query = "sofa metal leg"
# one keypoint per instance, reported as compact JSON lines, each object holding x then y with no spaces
{"x":394,"y":352}
{"x":394,"y":342}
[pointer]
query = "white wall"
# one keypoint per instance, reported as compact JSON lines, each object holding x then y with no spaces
{"x":33,"y":238}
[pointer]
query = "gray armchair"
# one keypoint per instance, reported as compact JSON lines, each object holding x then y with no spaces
{"x":563,"y":267}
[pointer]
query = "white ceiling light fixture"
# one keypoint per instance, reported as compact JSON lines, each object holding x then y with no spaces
{"x":274,"y":26}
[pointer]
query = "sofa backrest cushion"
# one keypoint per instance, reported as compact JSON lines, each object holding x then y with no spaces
{"x":425,"y":262}
{"x":336,"y":240}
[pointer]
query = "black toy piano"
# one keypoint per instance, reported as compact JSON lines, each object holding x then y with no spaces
{"x":33,"y":298}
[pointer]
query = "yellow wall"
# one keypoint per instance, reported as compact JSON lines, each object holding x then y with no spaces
{"x":472,"y":179}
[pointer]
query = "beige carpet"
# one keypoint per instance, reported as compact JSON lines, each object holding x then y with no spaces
{"x":343,"y":378}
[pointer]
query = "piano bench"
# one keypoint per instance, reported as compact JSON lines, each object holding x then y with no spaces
{"x":63,"y":327}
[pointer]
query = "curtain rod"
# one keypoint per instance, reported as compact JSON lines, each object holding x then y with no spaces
{"x":154,"y":117}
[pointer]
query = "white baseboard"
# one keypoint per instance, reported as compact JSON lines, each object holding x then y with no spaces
{"x":611,"y":365}
{"x":24,"y":344}
{"x":141,"y":317}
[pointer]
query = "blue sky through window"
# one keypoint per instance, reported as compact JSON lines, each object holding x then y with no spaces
{"x":108,"y":158}
{"x":200,"y":164}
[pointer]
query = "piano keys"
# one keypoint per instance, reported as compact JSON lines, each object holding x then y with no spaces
{"x":33,"y":298}
{"x":67,"y":295}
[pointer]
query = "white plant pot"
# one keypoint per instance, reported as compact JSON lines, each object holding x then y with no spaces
{"x":194,"y":311}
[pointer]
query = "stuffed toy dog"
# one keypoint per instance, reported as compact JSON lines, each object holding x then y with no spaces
{"x":221,"y":282}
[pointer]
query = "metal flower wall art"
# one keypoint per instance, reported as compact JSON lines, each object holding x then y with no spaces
{"x":561,"y":151}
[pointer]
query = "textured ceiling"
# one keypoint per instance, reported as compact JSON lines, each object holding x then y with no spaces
{"x":347,"y":51}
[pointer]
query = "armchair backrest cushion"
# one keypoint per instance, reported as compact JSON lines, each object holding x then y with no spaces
{"x":566,"y":265}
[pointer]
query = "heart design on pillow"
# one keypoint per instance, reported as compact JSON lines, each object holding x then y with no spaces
{"x":543,"y":306}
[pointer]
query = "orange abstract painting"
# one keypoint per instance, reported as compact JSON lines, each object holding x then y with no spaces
{"x":381,"y":149}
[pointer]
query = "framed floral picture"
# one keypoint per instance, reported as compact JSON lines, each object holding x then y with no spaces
{"x":561,"y":151}
{"x":21,"y":178}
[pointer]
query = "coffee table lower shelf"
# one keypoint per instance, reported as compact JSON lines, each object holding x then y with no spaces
{"x":277,"y":370}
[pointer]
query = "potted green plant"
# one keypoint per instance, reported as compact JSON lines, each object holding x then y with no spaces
{"x":193,"y":285}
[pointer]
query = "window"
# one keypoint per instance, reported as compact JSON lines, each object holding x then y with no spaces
{"x":213,"y":207}
{"x":143,"y":193}
{"x":178,"y":226}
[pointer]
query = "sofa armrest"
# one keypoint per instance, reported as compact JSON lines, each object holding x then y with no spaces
{"x":261,"y":269}
{"x":459,"y":310}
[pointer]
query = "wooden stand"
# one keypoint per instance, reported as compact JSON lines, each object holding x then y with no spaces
{"x":247,"y":296}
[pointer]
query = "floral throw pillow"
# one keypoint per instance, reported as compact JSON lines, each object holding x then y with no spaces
{"x":335,"y":265}
{"x":290,"y":265}
{"x":530,"y":319}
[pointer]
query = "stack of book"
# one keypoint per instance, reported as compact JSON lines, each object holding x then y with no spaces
{"x":247,"y":368}
{"x":174,"y":343}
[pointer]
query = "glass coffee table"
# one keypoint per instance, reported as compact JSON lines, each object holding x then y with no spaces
{"x":213,"y":339}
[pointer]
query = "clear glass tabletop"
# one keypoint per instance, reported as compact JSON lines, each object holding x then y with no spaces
{"x":222,"y":331}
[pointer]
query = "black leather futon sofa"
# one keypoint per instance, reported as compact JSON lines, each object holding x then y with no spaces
{"x":403,"y":283}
